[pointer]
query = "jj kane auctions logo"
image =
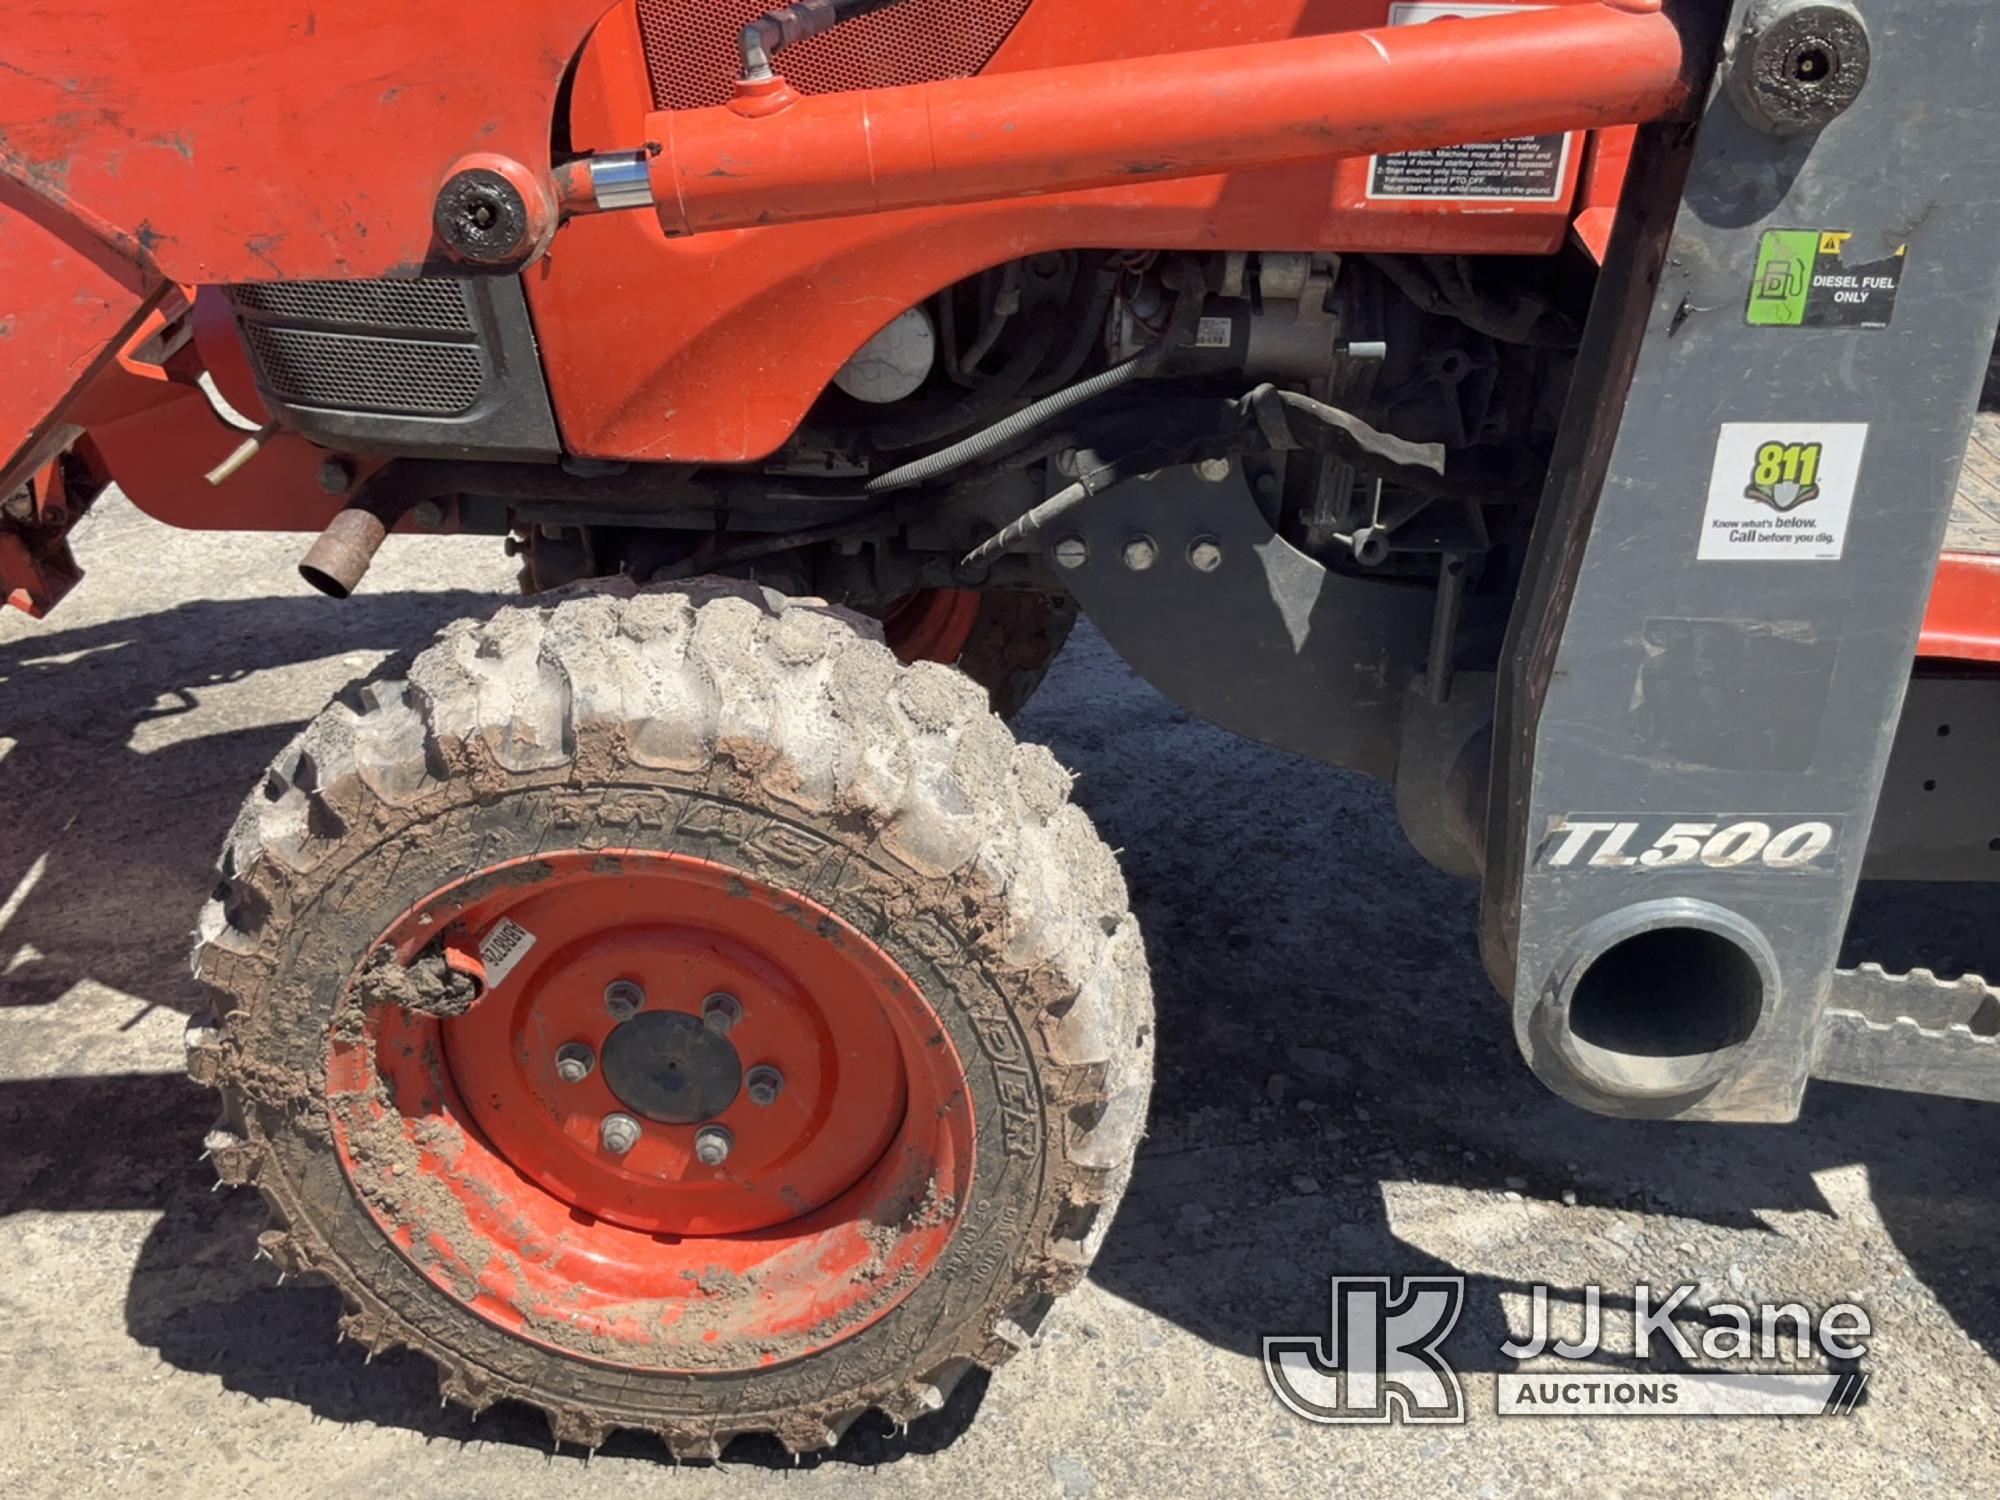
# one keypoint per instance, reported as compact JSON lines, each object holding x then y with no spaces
{"x":1382,"y":1360}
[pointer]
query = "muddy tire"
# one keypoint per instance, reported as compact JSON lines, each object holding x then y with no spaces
{"x":707,"y":732}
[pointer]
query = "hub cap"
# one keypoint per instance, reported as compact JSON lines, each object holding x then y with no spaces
{"x":670,"y":1067}
{"x":614,"y":1209}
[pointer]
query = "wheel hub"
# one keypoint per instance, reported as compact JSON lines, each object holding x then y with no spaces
{"x":682,"y":1091}
{"x":672,"y":1067}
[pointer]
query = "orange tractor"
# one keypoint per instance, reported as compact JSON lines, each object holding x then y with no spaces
{"x":677,"y":1001}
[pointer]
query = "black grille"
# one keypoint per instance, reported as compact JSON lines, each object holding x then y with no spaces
{"x":437,"y":368}
{"x":435,"y":303}
{"x":351,"y":372}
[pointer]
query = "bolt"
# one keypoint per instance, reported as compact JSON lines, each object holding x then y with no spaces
{"x":763,"y":1084}
{"x":623,"y":998}
{"x":427,"y":515}
{"x":711,"y":1145}
{"x":482,"y":217}
{"x":1204,"y":554}
{"x":1072,"y":552}
{"x":1140,"y":553}
{"x":1214,"y":470}
{"x":336,"y":476}
{"x":574,"y":1062}
{"x":620,"y":1133}
{"x":721,"y":1011}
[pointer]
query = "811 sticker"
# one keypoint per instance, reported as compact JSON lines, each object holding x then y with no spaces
{"x":1605,"y":841}
{"x":1781,"y":491}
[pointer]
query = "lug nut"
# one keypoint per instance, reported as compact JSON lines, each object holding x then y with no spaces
{"x":1072,"y":552}
{"x":623,"y":998}
{"x":1204,"y":554}
{"x":620,"y":1133}
{"x":574,"y":1062}
{"x":763,"y":1084}
{"x":1140,"y":553}
{"x":721,"y":1011}
{"x":711,"y":1145}
{"x":1214,"y":470}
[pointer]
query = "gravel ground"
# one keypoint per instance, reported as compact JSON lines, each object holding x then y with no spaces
{"x":1338,"y":1093}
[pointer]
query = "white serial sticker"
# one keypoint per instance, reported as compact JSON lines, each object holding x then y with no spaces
{"x":1781,"y":491}
{"x":502,"y":948}
{"x":1213,"y":333}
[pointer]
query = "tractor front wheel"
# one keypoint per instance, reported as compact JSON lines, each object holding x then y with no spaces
{"x":671,"y":1011}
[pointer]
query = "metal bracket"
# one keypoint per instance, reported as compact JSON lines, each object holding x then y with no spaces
{"x":1190,"y":583}
{"x":1708,"y":657}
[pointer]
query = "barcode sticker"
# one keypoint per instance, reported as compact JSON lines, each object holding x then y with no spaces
{"x":1213,"y":333}
{"x":502,"y":948}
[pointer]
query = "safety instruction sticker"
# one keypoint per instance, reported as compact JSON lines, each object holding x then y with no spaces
{"x":1781,"y":491}
{"x":1525,"y":169}
{"x":1811,"y":278}
{"x":502,"y":948}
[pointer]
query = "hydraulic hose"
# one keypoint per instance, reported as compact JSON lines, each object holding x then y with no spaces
{"x":1007,"y":430}
{"x":1010,"y":430}
{"x":777,"y":29}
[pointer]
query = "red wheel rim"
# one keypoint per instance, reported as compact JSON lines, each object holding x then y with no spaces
{"x":490,"y":1168}
{"x":931,"y":624}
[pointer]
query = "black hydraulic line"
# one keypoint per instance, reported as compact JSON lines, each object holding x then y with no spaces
{"x":1008,"y":430}
{"x":1096,"y":294}
{"x":1282,"y":420}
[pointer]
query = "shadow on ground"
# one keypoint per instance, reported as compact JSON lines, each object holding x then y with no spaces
{"x":1292,"y":932}
{"x":109,"y":848}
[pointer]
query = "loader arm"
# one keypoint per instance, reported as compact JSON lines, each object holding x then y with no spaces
{"x":378,"y":139}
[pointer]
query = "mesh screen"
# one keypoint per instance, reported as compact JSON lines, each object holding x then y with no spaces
{"x":435,"y":303}
{"x":691,"y":46}
{"x":349,"y":372}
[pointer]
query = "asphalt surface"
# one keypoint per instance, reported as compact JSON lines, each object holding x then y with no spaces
{"x":1338,"y":1094}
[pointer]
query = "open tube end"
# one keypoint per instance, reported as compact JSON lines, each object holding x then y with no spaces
{"x":337,"y":561}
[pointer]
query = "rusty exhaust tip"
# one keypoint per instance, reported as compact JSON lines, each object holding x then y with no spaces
{"x":335,"y":563}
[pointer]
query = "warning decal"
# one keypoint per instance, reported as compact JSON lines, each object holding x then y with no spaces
{"x":1809,"y":278}
{"x":1528,"y":168}
{"x":1781,"y":491}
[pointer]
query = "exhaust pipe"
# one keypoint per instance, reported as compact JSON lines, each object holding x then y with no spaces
{"x":339,"y":557}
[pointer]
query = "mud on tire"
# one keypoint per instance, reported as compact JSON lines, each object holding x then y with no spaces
{"x":782,"y":739}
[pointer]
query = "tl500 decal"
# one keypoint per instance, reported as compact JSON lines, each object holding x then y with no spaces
{"x":1606,"y":841}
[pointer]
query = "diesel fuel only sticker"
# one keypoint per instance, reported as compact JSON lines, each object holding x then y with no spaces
{"x":1813,"y":278}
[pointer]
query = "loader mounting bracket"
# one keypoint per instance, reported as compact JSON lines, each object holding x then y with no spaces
{"x":1713,"y":638}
